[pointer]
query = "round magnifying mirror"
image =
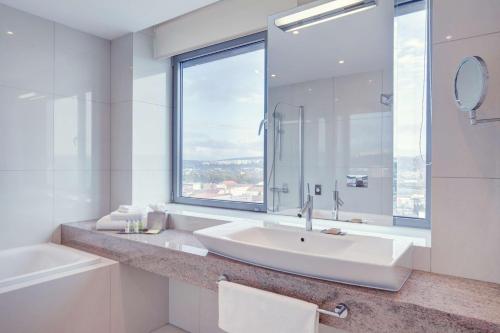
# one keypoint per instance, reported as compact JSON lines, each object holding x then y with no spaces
{"x":471,"y":82}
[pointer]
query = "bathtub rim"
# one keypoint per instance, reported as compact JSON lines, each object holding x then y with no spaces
{"x":87,"y":260}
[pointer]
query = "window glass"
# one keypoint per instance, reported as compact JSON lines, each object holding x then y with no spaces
{"x":222,"y":104}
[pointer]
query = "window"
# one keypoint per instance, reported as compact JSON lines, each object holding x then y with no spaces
{"x":219,"y":104}
{"x":411,"y":114}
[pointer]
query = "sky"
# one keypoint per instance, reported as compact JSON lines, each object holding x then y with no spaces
{"x":223,"y":104}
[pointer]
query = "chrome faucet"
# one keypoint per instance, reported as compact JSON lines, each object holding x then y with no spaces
{"x":337,"y":202}
{"x":307,"y":209}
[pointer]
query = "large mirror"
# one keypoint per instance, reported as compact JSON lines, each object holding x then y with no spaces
{"x":347,"y":112}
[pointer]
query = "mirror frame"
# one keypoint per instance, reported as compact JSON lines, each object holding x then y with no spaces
{"x":478,"y":61}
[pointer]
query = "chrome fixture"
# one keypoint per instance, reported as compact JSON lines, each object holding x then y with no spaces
{"x":341,"y":310}
{"x":386,"y":99}
{"x":337,"y":202}
{"x":326,"y":11}
{"x":307,"y":208}
{"x":357,"y":181}
{"x":262,"y":125}
{"x":471,"y":85}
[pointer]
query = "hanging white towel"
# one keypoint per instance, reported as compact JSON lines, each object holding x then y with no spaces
{"x":248,"y":310}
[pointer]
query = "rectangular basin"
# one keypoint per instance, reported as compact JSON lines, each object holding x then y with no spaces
{"x":358,"y":260}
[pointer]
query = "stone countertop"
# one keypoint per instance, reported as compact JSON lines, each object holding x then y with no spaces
{"x":427,"y":302}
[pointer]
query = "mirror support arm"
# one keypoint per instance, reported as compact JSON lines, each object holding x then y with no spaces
{"x":475,"y":121}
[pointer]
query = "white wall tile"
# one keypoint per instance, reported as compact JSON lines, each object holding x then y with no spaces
{"x":184,"y":306}
{"x":464,"y":18}
{"x":466,"y":228}
{"x":121,"y":136}
{"x":81,"y":134}
{"x":458,"y":148}
{"x":26,"y":130}
{"x":121,"y":188}
{"x":150,"y":187}
{"x":26,"y":206}
{"x":82,"y":65}
{"x":121,"y":68}
{"x":81,"y":195}
{"x":151,"y":137}
{"x":27,"y":56}
{"x":150,"y":74}
{"x":209,"y":312}
{"x":139,"y":300}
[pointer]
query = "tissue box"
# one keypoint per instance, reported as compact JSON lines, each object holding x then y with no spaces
{"x":157,"y":220}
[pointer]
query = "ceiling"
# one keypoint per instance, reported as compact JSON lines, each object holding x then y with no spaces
{"x":108,"y":18}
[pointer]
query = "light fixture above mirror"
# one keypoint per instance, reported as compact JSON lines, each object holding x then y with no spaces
{"x":326,"y":11}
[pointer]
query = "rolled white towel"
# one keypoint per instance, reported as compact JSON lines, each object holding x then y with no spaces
{"x":117,"y":216}
{"x":105,"y":223}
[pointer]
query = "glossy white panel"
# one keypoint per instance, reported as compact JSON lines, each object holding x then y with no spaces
{"x":26,"y":55}
{"x":139,"y":300}
{"x":184,"y":309}
{"x":151,"y":137}
{"x":26,"y":130}
{"x":81,"y":134}
{"x":82,"y":65}
{"x":121,"y":68}
{"x":121,"y":188}
{"x":358,"y":142}
{"x":150,"y":187}
{"x":81,"y":195}
{"x":150,"y":75}
{"x":465,"y":228}
{"x":209,"y":312}
{"x":464,"y":18}
{"x":26,"y":206}
{"x":459,"y":149}
{"x":121,"y":136}
{"x":78,"y":303}
{"x":358,"y":96}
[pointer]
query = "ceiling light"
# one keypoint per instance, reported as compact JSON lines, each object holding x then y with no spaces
{"x":322,"y":13}
{"x":273,"y":75}
{"x":449,"y":37}
{"x":10,"y":33}
{"x":341,"y":62}
{"x":296,"y":32}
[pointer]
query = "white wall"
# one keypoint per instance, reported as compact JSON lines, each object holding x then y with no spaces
{"x":209,"y":25}
{"x":140,"y":130}
{"x":466,"y":159}
{"x":54,"y":127}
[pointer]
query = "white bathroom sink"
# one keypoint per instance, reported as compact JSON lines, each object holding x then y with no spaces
{"x":359,"y":260}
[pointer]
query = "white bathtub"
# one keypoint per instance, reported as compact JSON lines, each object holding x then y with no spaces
{"x":29,"y":263}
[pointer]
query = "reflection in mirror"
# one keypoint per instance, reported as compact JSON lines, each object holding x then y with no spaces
{"x":339,"y":92}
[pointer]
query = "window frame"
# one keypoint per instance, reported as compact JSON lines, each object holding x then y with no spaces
{"x":177,"y":61}
{"x":415,"y":222}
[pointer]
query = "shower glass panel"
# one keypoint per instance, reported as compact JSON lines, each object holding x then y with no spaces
{"x":284,"y":152}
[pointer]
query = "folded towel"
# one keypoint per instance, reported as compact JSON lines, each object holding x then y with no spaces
{"x":117,"y":216}
{"x":128,"y":209}
{"x":248,"y":310}
{"x":105,"y":223}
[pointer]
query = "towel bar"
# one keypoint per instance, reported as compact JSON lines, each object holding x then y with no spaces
{"x":341,"y":310}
